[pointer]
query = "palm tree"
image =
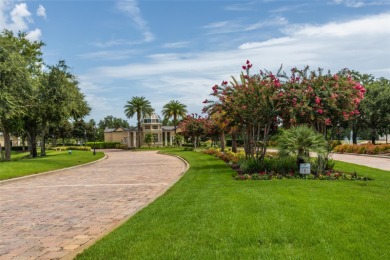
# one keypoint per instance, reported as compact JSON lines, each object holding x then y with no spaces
{"x":174,"y":109}
{"x":300,"y":141}
{"x":138,"y":106}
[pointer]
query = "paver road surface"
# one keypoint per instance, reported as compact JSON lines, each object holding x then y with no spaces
{"x":54,"y":215}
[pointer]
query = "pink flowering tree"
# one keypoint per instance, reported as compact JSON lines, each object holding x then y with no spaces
{"x":321,"y":101}
{"x":252,"y":104}
{"x":194,"y":127}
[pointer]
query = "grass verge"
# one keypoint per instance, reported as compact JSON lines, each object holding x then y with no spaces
{"x":208,"y":215}
{"x":53,"y":161}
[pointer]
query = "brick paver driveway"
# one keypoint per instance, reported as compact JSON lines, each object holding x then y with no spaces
{"x":55,"y":215}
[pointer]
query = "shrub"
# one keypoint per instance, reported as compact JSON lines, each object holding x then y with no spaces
{"x":66,"y":148}
{"x":252,"y":165}
{"x":103,"y":145}
{"x":283,"y":165}
{"x":363,"y":148}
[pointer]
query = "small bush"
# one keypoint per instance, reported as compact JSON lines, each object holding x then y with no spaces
{"x":103,"y":145}
{"x":66,"y":148}
{"x":363,"y":148}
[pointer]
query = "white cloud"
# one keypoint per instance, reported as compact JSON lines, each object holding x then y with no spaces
{"x":20,"y":17}
{"x":34,"y":35}
{"x":271,"y":42}
{"x":15,"y":16}
{"x":234,"y":26}
{"x":130,"y":8}
{"x":361,"y":3}
{"x":41,"y":11}
{"x":108,"y":55}
{"x":176,"y":45}
{"x":360,"y":44}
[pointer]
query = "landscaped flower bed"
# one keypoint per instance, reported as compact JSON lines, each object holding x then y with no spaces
{"x":330,"y":175}
{"x":363,"y":148}
{"x":277,"y":168}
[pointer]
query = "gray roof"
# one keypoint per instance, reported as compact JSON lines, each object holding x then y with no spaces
{"x":168,"y":128}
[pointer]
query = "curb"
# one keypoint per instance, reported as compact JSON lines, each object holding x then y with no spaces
{"x":73,"y":254}
{"x":364,"y":155}
{"x":51,"y":172}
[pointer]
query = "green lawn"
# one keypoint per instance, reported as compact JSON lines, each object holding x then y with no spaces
{"x":208,"y":215}
{"x":53,"y":161}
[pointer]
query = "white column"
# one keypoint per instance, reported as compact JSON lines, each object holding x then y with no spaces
{"x":170,"y":138}
{"x":134,"y":139}
{"x":165,"y":139}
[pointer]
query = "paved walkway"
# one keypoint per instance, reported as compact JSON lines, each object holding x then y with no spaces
{"x":55,"y":215}
{"x":370,"y":161}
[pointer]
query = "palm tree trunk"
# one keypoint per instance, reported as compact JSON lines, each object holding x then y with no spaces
{"x":174,"y":121}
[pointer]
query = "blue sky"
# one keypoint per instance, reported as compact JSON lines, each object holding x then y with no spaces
{"x":178,"y":49}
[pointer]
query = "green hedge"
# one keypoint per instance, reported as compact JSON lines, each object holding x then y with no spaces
{"x":65,"y":148}
{"x":103,"y":145}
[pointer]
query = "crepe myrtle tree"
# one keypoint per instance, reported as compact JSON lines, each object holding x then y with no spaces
{"x":260,"y":102}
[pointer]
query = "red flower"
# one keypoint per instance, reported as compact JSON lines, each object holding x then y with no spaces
{"x":328,"y":121}
{"x":248,"y":62}
{"x":319,"y":111}
{"x":318,"y":100}
{"x":244,"y":67}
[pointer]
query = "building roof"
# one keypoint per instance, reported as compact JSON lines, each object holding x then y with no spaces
{"x":110,"y":130}
{"x":168,"y":128}
{"x":152,"y":118}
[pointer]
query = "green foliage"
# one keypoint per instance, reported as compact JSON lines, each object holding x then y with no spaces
{"x":148,"y":139}
{"x":103,"y":145}
{"x":363,"y":148}
{"x":24,"y":165}
{"x":174,"y":109}
{"x":300,"y":141}
{"x":252,"y":165}
{"x":178,"y":140}
{"x":72,"y":148}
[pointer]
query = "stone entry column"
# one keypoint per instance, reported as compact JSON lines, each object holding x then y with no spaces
{"x":134,"y":139}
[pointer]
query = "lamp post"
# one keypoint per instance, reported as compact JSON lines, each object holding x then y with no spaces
{"x":94,"y":139}
{"x":338,"y":131}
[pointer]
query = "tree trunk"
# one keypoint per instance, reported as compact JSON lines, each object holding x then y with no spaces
{"x":23,"y":143}
{"x":32,"y":139}
{"x":7,"y":143}
{"x":234,"y":142}
{"x":174,"y":122}
{"x":1,"y":153}
{"x":354,"y":136}
{"x":43,"y":142}
{"x":222,"y":141}
{"x":373,"y":135}
{"x":139,"y":134}
{"x":32,"y":127}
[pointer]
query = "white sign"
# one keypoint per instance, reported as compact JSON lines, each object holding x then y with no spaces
{"x":304,"y":168}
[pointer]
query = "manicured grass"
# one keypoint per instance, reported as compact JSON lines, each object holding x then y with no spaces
{"x":53,"y":161}
{"x":208,"y":215}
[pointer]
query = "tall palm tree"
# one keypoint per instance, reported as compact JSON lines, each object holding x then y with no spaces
{"x":174,"y":109}
{"x":138,"y":106}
